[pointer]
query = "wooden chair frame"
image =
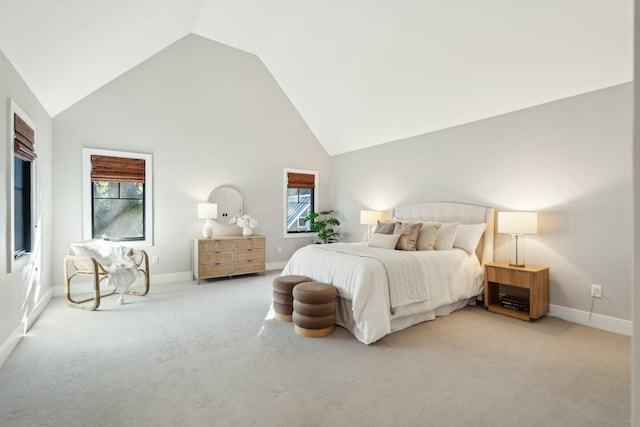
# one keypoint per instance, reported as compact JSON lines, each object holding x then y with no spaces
{"x":75,"y":266}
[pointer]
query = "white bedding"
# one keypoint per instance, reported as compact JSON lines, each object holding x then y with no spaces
{"x":449,"y":277}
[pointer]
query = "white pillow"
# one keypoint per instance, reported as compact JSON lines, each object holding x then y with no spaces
{"x":468,"y":236}
{"x":98,"y":249}
{"x":384,"y":241}
{"x":427,"y":236}
{"x":446,"y":236}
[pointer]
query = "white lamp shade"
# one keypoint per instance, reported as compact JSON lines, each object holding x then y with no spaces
{"x":370,"y":217}
{"x":518,"y":222}
{"x":207,"y":210}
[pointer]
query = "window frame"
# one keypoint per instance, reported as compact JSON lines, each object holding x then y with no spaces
{"x":17,"y":263}
{"x":285,"y":181}
{"x":87,"y":192}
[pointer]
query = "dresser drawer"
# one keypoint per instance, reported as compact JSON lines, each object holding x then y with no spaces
{"x":249,"y":267}
{"x":216,"y":246}
{"x":243,"y":245}
{"x":255,"y":255}
{"x":212,"y":258}
{"x":216,"y":270}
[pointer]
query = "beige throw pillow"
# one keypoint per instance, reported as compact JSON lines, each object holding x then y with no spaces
{"x":427,"y":236}
{"x":385,"y":227}
{"x":408,"y":235}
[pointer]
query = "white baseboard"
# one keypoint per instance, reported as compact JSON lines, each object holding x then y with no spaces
{"x":11,"y":343}
{"x":85,"y":286}
{"x":170,"y":277}
{"x":37,"y":310}
{"x":276,"y":265}
{"x":14,"y":339}
{"x":610,"y":324}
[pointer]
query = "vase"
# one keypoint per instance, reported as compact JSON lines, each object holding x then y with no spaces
{"x":247,"y":231}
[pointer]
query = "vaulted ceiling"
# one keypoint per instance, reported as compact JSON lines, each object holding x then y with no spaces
{"x":360,"y":72}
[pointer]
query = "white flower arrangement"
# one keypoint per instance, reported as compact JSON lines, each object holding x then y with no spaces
{"x":244,"y":221}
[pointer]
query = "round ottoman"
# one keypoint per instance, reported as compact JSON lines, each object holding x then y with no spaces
{"x":314,"y":309}
{"x":282,"y":298}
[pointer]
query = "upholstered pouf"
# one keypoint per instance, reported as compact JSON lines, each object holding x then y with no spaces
{"x":282,"y":298}
{"x":314,"y":309}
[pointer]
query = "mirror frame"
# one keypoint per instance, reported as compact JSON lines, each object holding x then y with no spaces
{"x":227,"y":198}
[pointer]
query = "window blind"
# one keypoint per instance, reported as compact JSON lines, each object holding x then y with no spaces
{"x":117,"y":169}
{"x":300,"y":180}
{"x":23,"y":140}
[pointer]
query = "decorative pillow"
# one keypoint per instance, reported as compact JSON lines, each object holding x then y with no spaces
{"x":468,"y":236}
{"x":385,"y":227}
{"x":427,"y":236}
{"x":446,"y":236}
{"x":408,"y":235}
{"x":98,"y":249}
{"x":384,"y":241}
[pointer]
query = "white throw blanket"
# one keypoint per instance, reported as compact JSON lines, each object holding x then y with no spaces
{"x":122,"y":270}
{"x":404,"y":272}
{"x":114,"y":259}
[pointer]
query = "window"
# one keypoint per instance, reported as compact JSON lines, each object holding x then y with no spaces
{"x":22,"y":175}
{"x":300,"y":199}
{"x":118,"y":194}
{"x":21,"y":206}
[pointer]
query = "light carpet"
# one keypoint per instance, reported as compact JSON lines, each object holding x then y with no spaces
{"x":188,"y":355}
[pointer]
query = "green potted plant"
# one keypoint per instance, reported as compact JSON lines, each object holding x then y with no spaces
{"x":322,"y":224}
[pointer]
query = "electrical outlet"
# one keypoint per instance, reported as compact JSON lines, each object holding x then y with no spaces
{"x":155,"y":259}
{"x":596,"y":291}
{"x":279,"y":249}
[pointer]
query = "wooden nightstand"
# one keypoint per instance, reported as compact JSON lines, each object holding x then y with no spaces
{"x":528,"y":284}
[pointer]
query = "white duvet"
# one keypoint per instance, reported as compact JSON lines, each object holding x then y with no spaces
{"x":360,"y":275}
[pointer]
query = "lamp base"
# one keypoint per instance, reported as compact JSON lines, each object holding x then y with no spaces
{"x":516,"y":251}
{"x":207,"y":230}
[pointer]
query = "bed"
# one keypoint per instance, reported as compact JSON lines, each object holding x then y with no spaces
{"x":381,"y":291}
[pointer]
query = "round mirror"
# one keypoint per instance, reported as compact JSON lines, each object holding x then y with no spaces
{"x":229,"y":202}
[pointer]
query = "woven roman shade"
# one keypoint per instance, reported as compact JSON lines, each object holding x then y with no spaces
{"x":117,"y":169}
{"x":23,"y":140}
{"x":300,"y":180}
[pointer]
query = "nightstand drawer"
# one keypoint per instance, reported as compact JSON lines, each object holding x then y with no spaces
{"x":521,"y":279}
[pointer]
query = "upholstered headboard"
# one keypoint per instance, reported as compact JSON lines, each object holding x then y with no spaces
{"x":463,"y":213}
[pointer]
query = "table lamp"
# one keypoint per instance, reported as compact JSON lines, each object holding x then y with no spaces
{"x":370,"y":218}
{"x":517,"y":224}
{"x":207,"y":211}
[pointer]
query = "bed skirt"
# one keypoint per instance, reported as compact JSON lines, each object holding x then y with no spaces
{"x":402,"y":319}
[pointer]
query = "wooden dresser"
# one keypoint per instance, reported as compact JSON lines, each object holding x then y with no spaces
{"x":221,"y":256}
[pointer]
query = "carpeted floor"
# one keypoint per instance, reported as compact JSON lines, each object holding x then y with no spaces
{"x":188,"y":355}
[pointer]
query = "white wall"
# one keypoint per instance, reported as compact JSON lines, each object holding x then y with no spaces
{"x":570,"y":160}
{"x":211,"y":115}
{"x":635,"y":353}
{"x":21,"y":300}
